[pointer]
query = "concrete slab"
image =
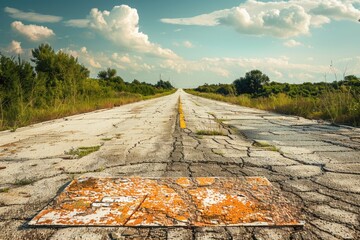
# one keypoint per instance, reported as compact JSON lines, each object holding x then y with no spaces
{"x":201,"y":201}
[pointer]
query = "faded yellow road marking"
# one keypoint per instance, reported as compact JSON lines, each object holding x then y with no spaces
{"x":181,"y":115}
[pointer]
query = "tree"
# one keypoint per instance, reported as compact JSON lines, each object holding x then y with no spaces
{"x":107,"y":74}
{"x":226,"y":90}
{"x":252,"y":83}
{"x":164,"y":84}
{"x":62,"y":73}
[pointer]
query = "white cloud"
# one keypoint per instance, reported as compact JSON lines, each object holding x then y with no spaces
{"x":188,"y":44}
{"x":32,"y":32}
{"x":121,"y":26}
{"x":80,"y":23}
{"x":15,"y":47}
{"x":94,"y":61}
{"x":292,"y":43}
{"x":83,"y":50}
{"x":31,"y":16}
{"x":282,"y":19}
{"x":277,"y":68}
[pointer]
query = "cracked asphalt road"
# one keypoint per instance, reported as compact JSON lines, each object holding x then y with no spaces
{"x":315,"y":165}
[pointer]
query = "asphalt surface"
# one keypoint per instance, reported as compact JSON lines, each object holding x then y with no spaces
{"x":315,"y":165}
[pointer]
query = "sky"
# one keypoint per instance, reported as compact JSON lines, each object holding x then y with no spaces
{"x":191,"y":43}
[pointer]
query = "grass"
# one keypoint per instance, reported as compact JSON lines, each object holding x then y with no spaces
{"x":265,"y":146}
{"x":64,"y":109}
{"x":24,"y":181}
{"x":106,"y":139}
{"x":82,"y":151}
{"x":334,"y":106}
{"x":210,"y":133}
{"x":4,"y":190}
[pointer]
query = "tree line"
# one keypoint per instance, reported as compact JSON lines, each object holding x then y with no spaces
{"x":52,"y":79}
{"x":257,"y":84}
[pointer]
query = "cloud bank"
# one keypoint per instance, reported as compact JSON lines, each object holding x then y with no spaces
{"x":283,"y":19}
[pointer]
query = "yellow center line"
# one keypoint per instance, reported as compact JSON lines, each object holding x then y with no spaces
{"x":181,"y":115}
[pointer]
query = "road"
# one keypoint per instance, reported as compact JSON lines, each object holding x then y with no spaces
{"x":316,"y":165}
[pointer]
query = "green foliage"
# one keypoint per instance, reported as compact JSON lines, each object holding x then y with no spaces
{"x":58,"y":85}
{"x":338,"y":102}
{"x":24,"y":181}
{"x":82,"y":151}
{"x":252,"y":82}
{"x":335,"y":106}
{"x":164,"y":85}
{"x":223,"y":89}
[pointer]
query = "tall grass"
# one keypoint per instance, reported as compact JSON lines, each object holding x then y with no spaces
{"x":341,"y":107}
{"x":68,"y":108}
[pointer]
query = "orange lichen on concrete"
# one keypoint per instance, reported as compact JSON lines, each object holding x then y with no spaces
{"x":202,"y":201}
{"x":205,"y":181}
{"x":183,"y":182}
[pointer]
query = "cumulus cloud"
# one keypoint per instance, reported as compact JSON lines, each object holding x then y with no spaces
{"x":32,"y":32}
{"x":282,"y":19}
{"x":121,"y":26}
{"x":292,"y":43}
{"x":15,"y":47}
{"x":31,"y":16}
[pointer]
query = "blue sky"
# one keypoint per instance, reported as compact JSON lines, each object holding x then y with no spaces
{"x":192,"y":42}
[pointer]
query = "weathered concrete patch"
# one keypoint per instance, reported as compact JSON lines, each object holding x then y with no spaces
{"x":17,"y":170}
{"x":16,"y":230}
{"x":301,"y":171}
{"x":339,"y":215}
{"x":37,"y":192}
{"x":268,"y":161}
{"x":342,"y":182}
{"x":336,"y":229}
{"x":343,"y":157}
{"x":343,"y":168}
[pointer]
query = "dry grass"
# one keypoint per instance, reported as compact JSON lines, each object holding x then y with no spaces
{"x":66,"y":109}
{"x":336,"y":107}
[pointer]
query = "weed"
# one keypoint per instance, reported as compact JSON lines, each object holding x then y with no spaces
{"x":100,"y":169}
{"x":106,"y":139}
{"x":82,"y":151}
{"x":210,"y":133}
{"x":24,"y":181}
{"x":265,"y":145}
{"x":4,"y":190}
{"x":218,"y":152}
